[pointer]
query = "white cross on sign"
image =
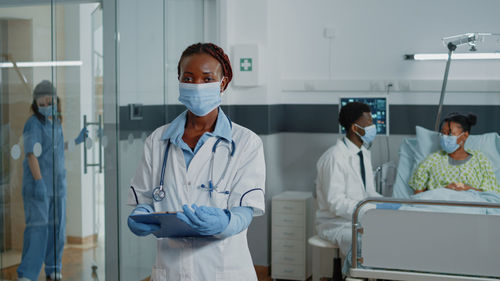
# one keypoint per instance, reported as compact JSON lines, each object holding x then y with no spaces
{"x":245,"y":64}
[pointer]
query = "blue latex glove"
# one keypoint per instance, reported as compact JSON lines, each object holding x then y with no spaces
{"x":139,"y":228}
{"x":40,"y":190}
{"x":84,"y":133}
{"x":240,"y":219}
{"x":205,"y":220}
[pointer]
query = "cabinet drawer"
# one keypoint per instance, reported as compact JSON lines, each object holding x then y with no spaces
{"x":288,"y":232}
{"x":288,"y":270}
{"x":296,"y":258}
{"x":288,"y":206}
{"x":285,"y":219}
{"x":284,"y":245}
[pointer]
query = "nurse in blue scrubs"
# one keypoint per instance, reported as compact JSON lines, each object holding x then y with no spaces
{"x":44,"y":186}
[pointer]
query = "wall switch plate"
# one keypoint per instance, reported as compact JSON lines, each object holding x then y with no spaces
{"x":329,"y":32}
{"x":135,"y":111}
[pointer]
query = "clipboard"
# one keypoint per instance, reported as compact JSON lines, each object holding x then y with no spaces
{"x":171,"y":226}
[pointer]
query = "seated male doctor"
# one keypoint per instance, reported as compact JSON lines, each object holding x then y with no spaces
{"x":345,"y":176}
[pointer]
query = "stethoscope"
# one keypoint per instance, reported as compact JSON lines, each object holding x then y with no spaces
{"x":159,"y":192}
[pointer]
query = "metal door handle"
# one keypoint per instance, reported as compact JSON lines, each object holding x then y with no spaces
{"x":99,"y":136}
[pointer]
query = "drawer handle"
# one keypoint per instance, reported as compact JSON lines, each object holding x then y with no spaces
{"x":288,"y":246}
{"x":287,"y":233}
{"x":288,"y":270}
{"x":288,"y":259}
{"x":288,"y":220}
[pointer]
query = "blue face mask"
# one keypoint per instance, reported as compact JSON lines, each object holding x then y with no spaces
{"x":449,"y":143}
{"x":45,"y":110}
{"x":200,"y":99}
{"x":370,"y":133}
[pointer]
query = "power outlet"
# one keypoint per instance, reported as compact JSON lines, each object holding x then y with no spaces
{"x":404,"y":86}
{"x":329,"y":32}
{"x":375,"y":86}
{"x":390,"y":85}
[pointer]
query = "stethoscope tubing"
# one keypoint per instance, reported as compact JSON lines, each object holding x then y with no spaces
{"x":159,"y":192}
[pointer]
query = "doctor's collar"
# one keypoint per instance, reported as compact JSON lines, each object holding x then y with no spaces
{"x":223,"y":127}
{"x":351,"y":146}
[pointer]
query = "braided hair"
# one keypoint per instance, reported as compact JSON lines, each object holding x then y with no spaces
{"x":212,"y":50}
{"x":466,"y":122}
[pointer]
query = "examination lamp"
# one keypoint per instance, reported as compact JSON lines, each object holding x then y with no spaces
{"x":452,"y":42}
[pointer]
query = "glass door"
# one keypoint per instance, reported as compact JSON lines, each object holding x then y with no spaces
{"x":152,"y":36}
{"x":52,"y":172}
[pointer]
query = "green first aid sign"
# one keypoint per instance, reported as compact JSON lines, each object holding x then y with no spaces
{"x":245,"y":64}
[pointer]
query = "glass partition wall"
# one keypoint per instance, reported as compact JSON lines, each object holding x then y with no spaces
{"x":55,"y":79}
{"x":152,"y":36}
{"x":52,"y":180}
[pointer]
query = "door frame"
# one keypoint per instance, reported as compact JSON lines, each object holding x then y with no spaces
{"x":111,"y":156}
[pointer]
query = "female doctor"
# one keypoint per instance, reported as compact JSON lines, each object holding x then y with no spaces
{"x":213,"y":176}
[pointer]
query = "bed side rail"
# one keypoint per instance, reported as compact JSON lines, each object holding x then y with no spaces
{"x":356,"y":227}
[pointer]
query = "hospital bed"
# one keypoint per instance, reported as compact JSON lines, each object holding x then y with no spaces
{"x":428,"y":245}
{"x":422,"y":245}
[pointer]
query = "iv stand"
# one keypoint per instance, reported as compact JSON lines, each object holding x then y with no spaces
{"x":451,"y":47}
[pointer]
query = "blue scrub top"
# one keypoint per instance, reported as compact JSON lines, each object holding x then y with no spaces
{"x":175,"y":131}
{"x":51,"y":160}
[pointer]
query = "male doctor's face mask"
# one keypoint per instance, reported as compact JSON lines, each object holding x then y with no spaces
{"x":449,"y":142}
{"x":200,"y":99}
{"x":370,"y":133}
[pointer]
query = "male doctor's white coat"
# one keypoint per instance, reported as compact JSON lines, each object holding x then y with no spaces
{"x":194,"y":259}
{"x":339,"y":188}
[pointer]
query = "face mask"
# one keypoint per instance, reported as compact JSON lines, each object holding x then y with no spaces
{"x":45,"y":110}
{"x":370,"y":133}
{"x":449,"y":143}
{"x":200,"y":99}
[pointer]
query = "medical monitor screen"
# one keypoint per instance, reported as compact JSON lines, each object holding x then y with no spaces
{"x":379,"y":111}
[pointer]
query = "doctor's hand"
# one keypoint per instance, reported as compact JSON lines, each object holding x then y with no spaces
{"x":139,"y":228}
{"x":205,"y":220}
{"x":84,"y":133}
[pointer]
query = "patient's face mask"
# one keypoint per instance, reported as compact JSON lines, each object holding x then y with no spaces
{"x":370,"y":133}
{"x":200,"y":99}
{"x":449,"y":142}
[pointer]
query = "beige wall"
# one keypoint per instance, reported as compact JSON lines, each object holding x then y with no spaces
{"x":17,"y":99}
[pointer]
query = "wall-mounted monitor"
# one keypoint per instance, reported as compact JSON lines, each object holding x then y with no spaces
{"x":379,"y":109}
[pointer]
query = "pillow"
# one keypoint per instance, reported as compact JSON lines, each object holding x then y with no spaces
{"x":427,"y":142}
{"x":407,"y":164}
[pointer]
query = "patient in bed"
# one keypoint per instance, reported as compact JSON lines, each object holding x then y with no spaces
{"x":454,"y":167}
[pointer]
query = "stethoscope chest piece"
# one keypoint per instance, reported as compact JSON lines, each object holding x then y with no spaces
{"x":158,"y":194}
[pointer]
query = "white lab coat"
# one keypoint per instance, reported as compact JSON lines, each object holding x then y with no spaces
{"x":196,"y":259}
{"x":339,"y":188}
